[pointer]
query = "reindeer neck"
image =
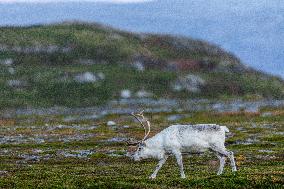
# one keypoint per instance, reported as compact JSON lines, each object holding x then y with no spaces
{"x":154,"y":140}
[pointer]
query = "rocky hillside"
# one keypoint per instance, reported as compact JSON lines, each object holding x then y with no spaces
{"x":81,"y":64}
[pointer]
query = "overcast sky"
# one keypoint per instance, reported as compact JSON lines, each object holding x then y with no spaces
{"x":52,"y":1}
{"x":251,"y":29}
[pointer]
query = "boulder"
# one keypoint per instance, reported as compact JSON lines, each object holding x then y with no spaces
{"x":86,"y":77}
{"x":139,"y":66}
{"x":111,"y":123}
{"x":16,"y":83}
{"x":143,"y":94}
{"x":191,"y":83}
{"x":125,"y":93}
{"x":11,"y":70}
{"x":101,"y":75}
{"x":7,"y":62}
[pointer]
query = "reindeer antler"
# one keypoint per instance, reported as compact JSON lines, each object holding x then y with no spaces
{"x":141,"y":123}
{"x":149,"y":130}
{"x":140,"y":114}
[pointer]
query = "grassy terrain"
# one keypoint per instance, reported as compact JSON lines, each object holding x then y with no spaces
{"x":46,"y":87}
{"x":36,"y":153}
{"x":46,"y":60}
{"x":39,"y":67}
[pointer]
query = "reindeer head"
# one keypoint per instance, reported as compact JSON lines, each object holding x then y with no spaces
{"x":138,"y":149}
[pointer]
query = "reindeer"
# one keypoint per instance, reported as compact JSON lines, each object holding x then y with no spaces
{"x":181,"y":139}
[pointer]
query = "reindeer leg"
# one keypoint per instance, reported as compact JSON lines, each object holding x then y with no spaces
{"x":179,"y":162}
{"x":158,"y":167}
{"x":228,"y":154}
{"x":222,"y":163}
{"x":232,"y":160}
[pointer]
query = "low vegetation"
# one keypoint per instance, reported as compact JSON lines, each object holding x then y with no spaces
{"x":48,"y":152}
{"x":39,"y":66}
{"x":46,"y":68}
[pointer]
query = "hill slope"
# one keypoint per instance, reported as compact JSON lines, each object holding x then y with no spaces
{"x":80,"y":64}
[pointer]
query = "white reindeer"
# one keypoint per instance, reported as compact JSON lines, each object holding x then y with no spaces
{"x":182,"y":139}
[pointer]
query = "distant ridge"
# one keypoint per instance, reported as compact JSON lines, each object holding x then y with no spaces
{"x":63,"y":63}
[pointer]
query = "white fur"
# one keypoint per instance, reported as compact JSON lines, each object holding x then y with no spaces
{"x":179,"y":139}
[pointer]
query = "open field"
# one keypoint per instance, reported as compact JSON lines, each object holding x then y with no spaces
{"x":60,"y":84}
{"x":46,"y":151}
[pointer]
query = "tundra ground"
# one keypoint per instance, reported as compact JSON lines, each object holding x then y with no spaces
{"x":52,"y":152}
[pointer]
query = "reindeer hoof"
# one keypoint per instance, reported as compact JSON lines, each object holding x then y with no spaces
{"x":152,"y":177}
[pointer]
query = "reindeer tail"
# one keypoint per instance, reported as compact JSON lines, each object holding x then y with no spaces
{"x":225,"y":129}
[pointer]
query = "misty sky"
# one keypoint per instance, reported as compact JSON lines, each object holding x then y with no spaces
{"x":52,"y":1}
{"x":251,"y":29}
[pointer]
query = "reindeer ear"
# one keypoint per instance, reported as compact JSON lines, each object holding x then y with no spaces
{"x":132,"y":142}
